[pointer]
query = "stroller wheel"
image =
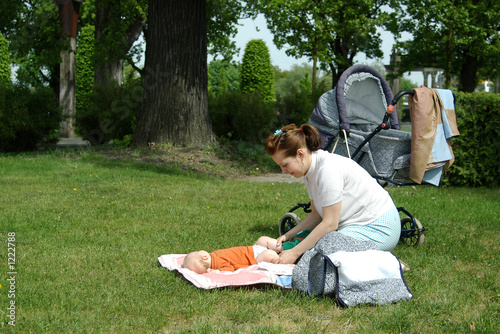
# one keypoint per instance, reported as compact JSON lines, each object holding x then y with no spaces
{"x":412,"y":235}
{"x":288,"y":221}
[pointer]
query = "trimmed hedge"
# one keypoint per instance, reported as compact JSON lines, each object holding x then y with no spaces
{"x":478,"y":147}
{"x":257,"y":73}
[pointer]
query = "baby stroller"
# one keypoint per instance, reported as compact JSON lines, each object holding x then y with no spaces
{"x":350,"y":118}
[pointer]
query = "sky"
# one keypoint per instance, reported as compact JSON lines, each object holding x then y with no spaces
{"x":257,"y":29}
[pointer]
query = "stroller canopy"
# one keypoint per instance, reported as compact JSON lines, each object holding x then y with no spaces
{"x":358,"y":101}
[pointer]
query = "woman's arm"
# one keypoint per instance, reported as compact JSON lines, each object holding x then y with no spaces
{"x":309,"y":223}
{"x":330,"y":222}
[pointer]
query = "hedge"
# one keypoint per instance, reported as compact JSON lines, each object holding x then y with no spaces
{"x":478,"y":147}
{"x":28,"y":117}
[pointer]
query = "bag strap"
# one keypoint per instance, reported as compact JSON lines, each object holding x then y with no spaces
{"x":337,"y":288}
{"x":324,"y":275}
{"x":346,"y":144}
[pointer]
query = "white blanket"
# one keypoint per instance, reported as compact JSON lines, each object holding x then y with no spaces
{"x":278,"y":274}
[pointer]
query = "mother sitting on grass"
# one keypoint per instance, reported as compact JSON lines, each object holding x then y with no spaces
{"x":344,"y":197}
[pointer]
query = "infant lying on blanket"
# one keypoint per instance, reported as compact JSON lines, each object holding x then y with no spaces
{"x":234,"y":258}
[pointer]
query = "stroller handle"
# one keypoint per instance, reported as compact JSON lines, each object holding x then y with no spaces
{"x":390,"y":107}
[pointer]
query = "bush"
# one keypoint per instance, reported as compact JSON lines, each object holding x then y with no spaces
{"x":112,"y":114}
{"x":257,"y":73}
{"x":222,"y":76}
{"x":27,"y":117}
{"x":240,"y":116}
{"x":295,"y":107}
{"x":298,"y":104}
{"x":478,"y":146}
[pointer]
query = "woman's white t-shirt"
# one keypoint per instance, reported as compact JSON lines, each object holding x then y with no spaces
{"x":332,"y":178}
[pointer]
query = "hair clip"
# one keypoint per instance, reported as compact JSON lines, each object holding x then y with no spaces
{"x":278,"y":132}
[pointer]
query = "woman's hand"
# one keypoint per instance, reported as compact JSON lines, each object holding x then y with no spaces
{"x":288,"y":257}
{"x":280,"y":240}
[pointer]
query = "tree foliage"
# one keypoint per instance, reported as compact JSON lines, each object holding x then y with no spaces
{"x":222,"y":18}
{"x":222,"y":76}
{"x":34,"y":32}
{"x":257,"y":73}
{"x":10,"y":15}
{"x":331,"y":31}
{"x":461,"y":37}
{"x":290,"y":80}
{"x":118,"y":25}
{"x":295,"y":97}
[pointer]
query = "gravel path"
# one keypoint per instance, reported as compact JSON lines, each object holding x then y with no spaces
{"x":278,"y":178}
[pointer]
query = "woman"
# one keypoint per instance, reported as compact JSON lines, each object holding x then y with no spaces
{"x":343,"y":195}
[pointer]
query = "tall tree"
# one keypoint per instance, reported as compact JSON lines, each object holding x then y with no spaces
{"x":118,"y":25}
{"x":329,"y":32}
{"x":175,"y":96}
{"x":33,"y":29}
{"x":42,"y":35}
{"x":460,"y":36}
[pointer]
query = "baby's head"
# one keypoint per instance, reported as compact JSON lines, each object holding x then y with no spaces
{"x":199,"y":261}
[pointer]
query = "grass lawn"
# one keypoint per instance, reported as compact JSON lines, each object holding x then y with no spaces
{"x":87,"y":230}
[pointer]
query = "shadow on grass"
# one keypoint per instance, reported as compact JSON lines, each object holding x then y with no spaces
{"x":152,"y":166}
{"x":263,"y":229}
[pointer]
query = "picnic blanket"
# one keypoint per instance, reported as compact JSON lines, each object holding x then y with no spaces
{"x":277,"y":274}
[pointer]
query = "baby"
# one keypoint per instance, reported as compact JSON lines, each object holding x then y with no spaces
{"x":234,"y":258}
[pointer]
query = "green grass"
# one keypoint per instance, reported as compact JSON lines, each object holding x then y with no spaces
{"x":89,"y":230}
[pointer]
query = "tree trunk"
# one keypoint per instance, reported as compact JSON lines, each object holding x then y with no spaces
{"x":109,"y":71}
{"x":468,"y":75}
{"x":113,"y":45}
{"x":335,"y":76}
{"x":110,"y":68}
{"x":175,"y":96}
{"x":315,"y":64}
{"x":68,"y":13}
{"x":67,"y":90}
